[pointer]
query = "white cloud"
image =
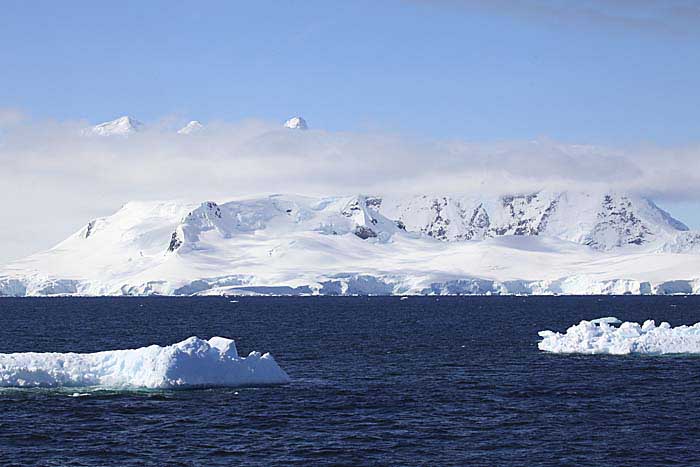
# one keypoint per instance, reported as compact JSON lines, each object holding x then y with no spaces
{"x":10,"y":117}
{"x":53,"y":179}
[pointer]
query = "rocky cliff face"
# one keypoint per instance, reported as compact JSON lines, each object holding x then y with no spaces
{"x":604,"y":222}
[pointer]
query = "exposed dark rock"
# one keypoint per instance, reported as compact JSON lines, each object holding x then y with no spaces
{"x":364,"y":232}
{"x":546,"y":215}
{"x":351,"y":208}
{"x":618,"y":218}
{"x":373,"y":202}
{"x":175,"y":242}
{"x":522,"y":224}
{"x":438,"y":226}
{"x":90,"y":227}
{"x":214,"y":207}
{"x":479,"y":222}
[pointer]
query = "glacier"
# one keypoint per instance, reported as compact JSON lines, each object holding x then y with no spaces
{"x":601,"y":336}
{"x":439,"y":244}
{"x":191,"y":363}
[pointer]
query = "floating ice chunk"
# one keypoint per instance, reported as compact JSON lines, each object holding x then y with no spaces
{"x":608,"y":320}
{"x":193,"y":362}
{"x":600,"y":337}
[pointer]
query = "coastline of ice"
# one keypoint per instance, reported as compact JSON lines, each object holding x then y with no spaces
{"x":191,"y":363}
{"x":600,"y":336}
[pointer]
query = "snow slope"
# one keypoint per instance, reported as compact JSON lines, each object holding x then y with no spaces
{"x":542,"y":243}
{"x":192,"y":127}
{"x":191,"y":363}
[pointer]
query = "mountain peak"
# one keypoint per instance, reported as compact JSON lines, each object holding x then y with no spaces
{"x":121,"y":126}
{"x":192,"y":127}
{"x":296,"y":123}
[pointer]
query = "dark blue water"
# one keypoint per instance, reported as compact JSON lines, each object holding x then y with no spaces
{"x":377,"y":381}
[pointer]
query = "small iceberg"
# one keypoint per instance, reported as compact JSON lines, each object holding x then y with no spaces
{"x":600,"y":336}
{"x":191,"y":363}
{"x":607,"y":320}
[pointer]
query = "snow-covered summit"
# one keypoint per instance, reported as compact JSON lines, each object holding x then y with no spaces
{"x":192,"y":127}
{"x":122,"y":126}
{"x":296,"y":123}
{"x":127,"y":125}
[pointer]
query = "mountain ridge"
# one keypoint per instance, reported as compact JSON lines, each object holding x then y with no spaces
{"x":537,"y":243}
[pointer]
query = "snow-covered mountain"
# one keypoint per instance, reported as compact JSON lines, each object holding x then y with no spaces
{"x":122,"y":126}
{"x":192,"y":127}
{"x":296,"y":123}
{"x":541,"y":243}
{"x":126,"y":125}
{"x":602,"y":221}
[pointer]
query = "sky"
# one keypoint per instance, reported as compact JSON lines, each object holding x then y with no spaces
{"x":549,"y":93}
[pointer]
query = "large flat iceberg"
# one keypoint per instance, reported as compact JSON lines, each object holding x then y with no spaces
{"x":600,"y":336}
{"x":193,"y":362}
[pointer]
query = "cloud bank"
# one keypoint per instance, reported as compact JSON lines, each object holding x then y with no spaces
{"x":667,"y":17}
{"x":54,"y":178}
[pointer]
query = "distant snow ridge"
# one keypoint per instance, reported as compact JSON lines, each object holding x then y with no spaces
{"x":192,"y":127}
{"x":193,"y":362}
{"x":122,"y":126}
{"x":602,"y":337}
{"x":296,"y":123}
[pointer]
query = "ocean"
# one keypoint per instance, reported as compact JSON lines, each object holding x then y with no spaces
{"x":376,"y":381}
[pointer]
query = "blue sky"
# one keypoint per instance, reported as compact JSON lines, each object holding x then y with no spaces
{"x":402,"y":77}
{"x":440,"y":69}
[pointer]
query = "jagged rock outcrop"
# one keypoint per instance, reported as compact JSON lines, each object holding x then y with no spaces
{"x":89,"y":228}
{"x":604,"y":222}
{"x":175,"y":242}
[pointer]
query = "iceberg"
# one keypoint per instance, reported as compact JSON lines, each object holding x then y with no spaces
{"x":607,"y":319}
{"x":191,"y":363}
{"x":600,"y":336}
